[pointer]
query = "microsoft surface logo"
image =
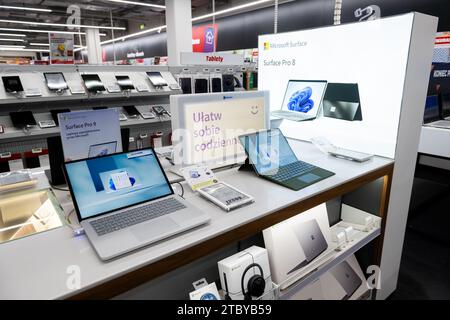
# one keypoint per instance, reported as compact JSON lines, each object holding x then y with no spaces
{"x":266,"y":45}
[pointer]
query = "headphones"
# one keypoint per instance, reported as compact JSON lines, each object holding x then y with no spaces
{"x":255,"y":285}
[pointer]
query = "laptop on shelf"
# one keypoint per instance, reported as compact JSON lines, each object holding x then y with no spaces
{"x":124,"y":201}
{"x":436,"y":114}
{"x":302,"y":100}
{"x":347,"y":278}
{"x":311,"y":240}
{"x":273,"y":159}
{"x":342,"y":102}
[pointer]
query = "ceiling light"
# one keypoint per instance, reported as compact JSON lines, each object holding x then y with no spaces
{"x":32,"y":23}
{"x":13,"y":40}
{"x":48,"y":31}
{"x":25,"y":8}
{"x":133,"y":35}
{"x":38,"y":44}
{"x":12,"y":35}
{"x":23,"y":49}
{"x":243,"y":6}
{"x":2,"y":46}
{"x":138,"y":3}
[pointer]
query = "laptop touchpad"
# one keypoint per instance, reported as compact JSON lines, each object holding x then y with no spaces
{"x":151,"y":229}
{"x":308,"y":178}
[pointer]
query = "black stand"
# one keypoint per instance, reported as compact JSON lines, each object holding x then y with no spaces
{"x":246,"y":166}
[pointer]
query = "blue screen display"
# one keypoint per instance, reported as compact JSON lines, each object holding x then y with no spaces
{"x":268,"y":150}
{"x":113,"y":182}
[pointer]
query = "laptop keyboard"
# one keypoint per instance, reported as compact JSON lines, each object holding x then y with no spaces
{"x":291,"y":170}
{"x":134,"y":216}
{"x":289,"y":115}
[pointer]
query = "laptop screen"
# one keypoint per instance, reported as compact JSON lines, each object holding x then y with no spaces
{"x":431,"y":109}
{"x":445,"y":97}
{"x":268,"y":150}
{"x":109,"y":183}
{"x":304,"y":96}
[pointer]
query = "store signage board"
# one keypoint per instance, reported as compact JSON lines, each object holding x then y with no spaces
{"x":87,"y":134}
{"x":358,"y":56}
{"x":61,"y":48}
{"x":213,"y":59}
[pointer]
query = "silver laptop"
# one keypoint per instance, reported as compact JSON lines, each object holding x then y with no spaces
{"x":302,"y":100}
{"x":347,"y":278}
{"x":124,"y":201}
{"x":102,"y":149}
{"x":311,"y":240}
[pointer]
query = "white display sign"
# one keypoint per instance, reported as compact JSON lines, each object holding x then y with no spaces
{"x":87,"y":134}
{"x":364,"y":68}
{"x":211,"y":58}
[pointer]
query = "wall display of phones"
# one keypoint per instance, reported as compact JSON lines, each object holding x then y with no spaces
{"x":22,"y":119}
{"x":156,"y":79}
{"x":216,"y":84}
{"x":186,"y":84}
{"x":12,"y":84}
{"x":201,"y":85}
{"x":132,"y":111}
{"x":125,"y":83}
{"x":228,"y":82}
{"x":93,"y":83}
{"x":55,"y":81}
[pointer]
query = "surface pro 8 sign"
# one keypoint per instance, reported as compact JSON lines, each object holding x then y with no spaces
{"x":363,"y":68}
{"x":88,"y":134}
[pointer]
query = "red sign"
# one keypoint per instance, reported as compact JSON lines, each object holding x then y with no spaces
{"x":204,"y":38}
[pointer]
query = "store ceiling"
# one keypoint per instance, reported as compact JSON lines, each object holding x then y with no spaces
{"x":93,"y":12}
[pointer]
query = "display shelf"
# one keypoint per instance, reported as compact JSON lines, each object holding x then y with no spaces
{"x":435,"y":141}
{"x":14,"y":134}
{"x":56,"y":250}
{"x":361,"y":240}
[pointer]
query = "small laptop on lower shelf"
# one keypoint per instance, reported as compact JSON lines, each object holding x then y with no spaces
{"x":124,"y":201}
{"x":272,"y":158}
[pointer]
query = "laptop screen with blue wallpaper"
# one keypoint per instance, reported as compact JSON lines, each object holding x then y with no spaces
{"x":304,"y":96}
{"x":106,"y":184}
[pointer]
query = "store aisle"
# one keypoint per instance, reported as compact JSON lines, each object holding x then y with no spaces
{"x":425,"y":268}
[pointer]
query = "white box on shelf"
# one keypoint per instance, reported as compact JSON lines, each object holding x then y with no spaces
{"x":232,"y":269}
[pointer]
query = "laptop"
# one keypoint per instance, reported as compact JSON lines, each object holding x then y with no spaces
{"x":102,"y":149}
{"x":347,"y":278}
{"x":124,"y":201}
{"x":342,"y":102}
{"x":302,"y":100}
{"x":435,"y":110}
{"x":272,"y":158}
{"x":311,"y":240}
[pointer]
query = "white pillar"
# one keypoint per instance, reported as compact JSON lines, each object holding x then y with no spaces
{"x":179,"y":29}
{"x":94,"y":48}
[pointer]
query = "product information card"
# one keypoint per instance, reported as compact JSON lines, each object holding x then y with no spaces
{"x":88,"y":134}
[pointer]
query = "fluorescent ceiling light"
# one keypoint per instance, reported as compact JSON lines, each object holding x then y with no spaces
{"x":243,"y":6}
{"x":137,"y":34}
{"x":23,"y":49}
{"x":13,"y":40}
{"x":133,"y":35}
{"x":138,"y":3}
{"x":48,"y":31}
{"x":2,"y":46}
{"x":25,"y":8}
{"x":12,"y":35}
{"x":38,"y":44}
{"x":32,"y":23}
